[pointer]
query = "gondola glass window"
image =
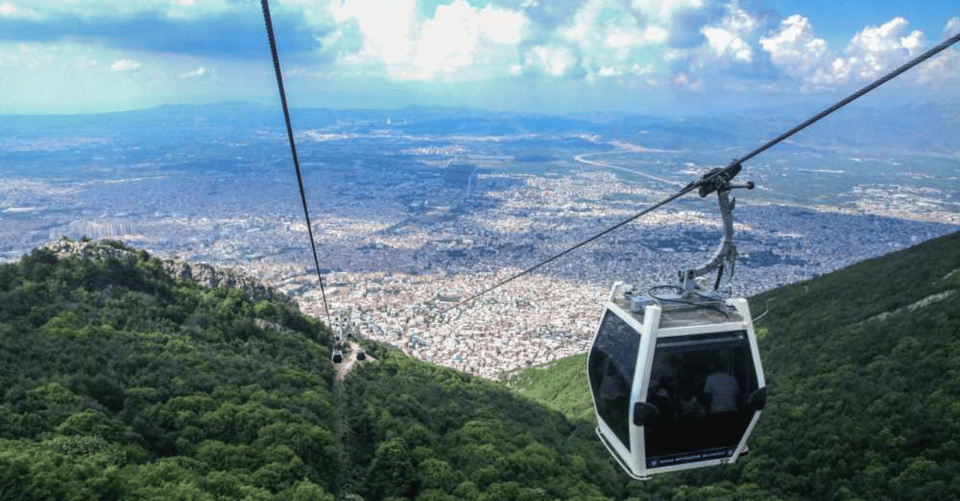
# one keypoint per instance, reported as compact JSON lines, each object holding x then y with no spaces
{"x":701,"y":385}
{"x":612,"y":363}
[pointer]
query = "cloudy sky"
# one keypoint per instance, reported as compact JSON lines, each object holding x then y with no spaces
{"x":552,"y":56}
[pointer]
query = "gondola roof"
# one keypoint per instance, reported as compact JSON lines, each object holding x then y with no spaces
{"x":681,"y":314}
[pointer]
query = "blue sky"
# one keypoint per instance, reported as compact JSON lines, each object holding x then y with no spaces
{"x":550,"y":56}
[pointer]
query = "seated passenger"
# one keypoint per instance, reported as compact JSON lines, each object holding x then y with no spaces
{"x":662,"y":397}
{"x":688,"y":405}
{"x":722,"y":388}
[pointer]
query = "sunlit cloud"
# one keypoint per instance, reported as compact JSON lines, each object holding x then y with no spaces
{"x":199,"y":72}
{"x":703,"y":46}
{"x":943,"y":70}
{"x":122,"y":65}
{"x":796,"y":51}
{"x":555,"y":61}
{"x":872,"y":52}
{"x":952,"y":28}
{"x":10,"y":10}
{"x":726,"y":43}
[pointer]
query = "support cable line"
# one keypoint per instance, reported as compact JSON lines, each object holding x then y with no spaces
{"x":659,"y":204}
{"x":720,"y":177}
{"x":293,"y":147}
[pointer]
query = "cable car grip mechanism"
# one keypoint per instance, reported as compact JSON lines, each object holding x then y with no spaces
{"x":717,"y":180}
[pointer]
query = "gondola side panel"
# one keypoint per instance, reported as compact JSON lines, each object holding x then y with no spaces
{"x":611,"y":364}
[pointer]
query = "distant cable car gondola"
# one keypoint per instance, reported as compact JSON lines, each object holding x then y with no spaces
{"x":361,"y":356}
{"x":337,"y":356}
{"x":676,"y":378}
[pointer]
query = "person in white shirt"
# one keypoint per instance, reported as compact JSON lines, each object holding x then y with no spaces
{"x":723,"y":390}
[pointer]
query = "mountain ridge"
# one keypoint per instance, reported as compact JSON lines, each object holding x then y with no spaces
{"x":919,"y":127}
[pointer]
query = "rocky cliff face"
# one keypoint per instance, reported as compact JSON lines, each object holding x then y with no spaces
{"x":204,"y":274}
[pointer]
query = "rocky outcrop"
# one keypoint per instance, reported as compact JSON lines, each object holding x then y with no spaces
{"x":204,"y":274}
{"x":208,"y":276}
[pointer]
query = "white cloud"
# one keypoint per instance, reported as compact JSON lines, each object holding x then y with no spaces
{"x":738,"y":20}
{"x":726,"y":40}
{"x":952,"y":27}
{"x":943,"y":70}
{"x":663,"y":11}
{"x":609,"y":38}
{"x":725,"y":43}
{"x":684,"y":81}
{"x":501,"y":25}
{"x":18,"y":11}
{"x":607,"y":71}
{"x":389,"y":29}
{"x":871,"y":53}
{"x":725,"y":49}
{"x":555,"y":61}
{"x":795,"y":50}
{"x":448,"y":41}
{"x":199,"y":72}
{"x":458,"y":41}
{"x":621,"y":38}
{"x":121,"y":65}
{"x":875,"y":50}
{"x":459,"y":36}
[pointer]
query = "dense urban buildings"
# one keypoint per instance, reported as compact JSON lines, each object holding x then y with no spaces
{"x":410,"y":225}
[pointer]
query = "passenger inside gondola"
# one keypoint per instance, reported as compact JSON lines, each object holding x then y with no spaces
{"x":688,"y":405}
{"x":699,"y":393}
{"x":721,"y":389}
{"x":663,"y":385}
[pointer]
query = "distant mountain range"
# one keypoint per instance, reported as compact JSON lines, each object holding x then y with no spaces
{"x":928,"y":128}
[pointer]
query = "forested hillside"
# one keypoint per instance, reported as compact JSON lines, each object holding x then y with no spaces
{"x":120,"y":380}
{"x":863,"y":367}
{"x":551,"y":385}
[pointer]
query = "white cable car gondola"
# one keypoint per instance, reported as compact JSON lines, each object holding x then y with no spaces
{"x":676,"y":379}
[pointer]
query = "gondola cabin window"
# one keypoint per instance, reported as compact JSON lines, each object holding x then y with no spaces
{"x":700,"y":385}
{"x":612,"y":363}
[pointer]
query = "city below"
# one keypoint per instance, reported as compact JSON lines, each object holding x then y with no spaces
{"x":410,"y":220}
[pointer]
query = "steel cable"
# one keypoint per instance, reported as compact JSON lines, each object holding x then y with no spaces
{"x":293,"y":147}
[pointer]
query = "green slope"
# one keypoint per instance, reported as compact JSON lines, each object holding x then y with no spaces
{"x":863,"y":365}
{"x":560,"y":385}
{"x":120,"y":381}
